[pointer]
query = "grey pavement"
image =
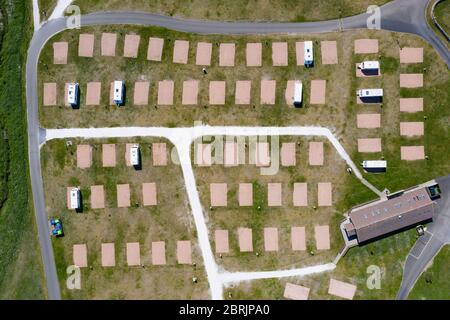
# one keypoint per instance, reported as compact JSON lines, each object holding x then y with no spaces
{"x":399,"y":15}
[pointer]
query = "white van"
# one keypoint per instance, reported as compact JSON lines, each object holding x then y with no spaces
{"x":298,"y":93}
{"x":369,"y":65}
{"x":375,"y":165}
{"x":369,"y":93}
{"x":119,"y":87}
{"x":75,"y":199}
{"x":72,"y":94}
{"x":308,"y":53}
{"x":134,"y":155}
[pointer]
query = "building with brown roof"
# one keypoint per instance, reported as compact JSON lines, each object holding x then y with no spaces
{"x":385,"y":216}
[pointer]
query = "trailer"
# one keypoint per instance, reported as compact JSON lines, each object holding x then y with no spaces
{"x":119,"y":88}
{"x":134,"y":155}
{"x":298,"y":93}
{"x":369,"y":93}
{"x":369,"y":65}
{"x":75,"y":199}
{"x":375,"y":165}
{"x":308,"y":53}
{"x":72,"y":94}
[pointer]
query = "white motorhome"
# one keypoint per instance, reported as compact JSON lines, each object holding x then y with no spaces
{"x":119,"y":87}
{"x":308,"y":53}
{"x":75,"y":198}
{"x":369,"y":93}
{"x":375,"y":165}
{"x":369,"y":65}
{"x":134,"y":155}
{"x":298,"y":93}
{"x":72,"y":94}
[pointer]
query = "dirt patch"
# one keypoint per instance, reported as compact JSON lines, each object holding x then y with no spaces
{"x":190,"y":92}
{"x":108,"y":44}
{"x":97,"y":197}
{"x":123,"y":195}
{"x":324,"y":194}
{"x":288,"y":155}
{"x":245,"y":239}
{"x":412,"y":153}
{"x":50,"y":94}
{"x":60,"y":50}
{"x":368,"y":120}
{"x":268,"y":88}
{"x":204,"y":51}
{"x":165,"y":92}
{"x":218,"y":194}
{"x":411,"y":55}
{"x":298,"y":238}
{"x":261,"y":156}
{"x":149,"y":194}
{"x":84,"y":156}
{"x":108,"y":255}
{"x":159,"y":152}
{"x":300,"y":195}
{"x":131,"y":46}
{"x":280,"y":54}
{"x":226,"y":54}
{"x":341,"y":289}
{"x":181,"y":51}
{"x":109,"y":155}
{"x":300,"y":53}
{"x":86,"y":45}
{"x":245,"y":196}
{"x":411,"y":129}
{"x":329,"y":52}
{"x":80,"y":255}
{"x":221,"y":241}
{"x":141,"y":89}
{"x":133,"y":254}
{"x":271,"y":239}
{"x":274,"y":195}
{"x":203,"y":155}
{"x":316,"y":154}
{"x":93,"y":92}
{"x":295,"y":292}
{"x":243,"y":92}
{"x":369,"y":145}
{"x":411,"y":105}
{"x":322,"y":236}
{"x":159,"y":253}
{"x":253,"y":54}
{"x":318,"y":91}
{"x":365,"y":46}
{"x":184,"y":252}
{"x":217,"y":92}
{"x":155,"y":49}
{"x":231,"y":154}
{"x":411,"y":80}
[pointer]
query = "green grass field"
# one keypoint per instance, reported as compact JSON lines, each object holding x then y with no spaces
{"x":442,"y":12}
{"x":434,"y":283}
{"x":256,"y":10}
{"x":45,"y":8}
{"x":20,"y":262}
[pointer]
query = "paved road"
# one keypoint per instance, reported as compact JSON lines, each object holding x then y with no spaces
{"x":427,"y":246}
{"x":399,"y":15}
